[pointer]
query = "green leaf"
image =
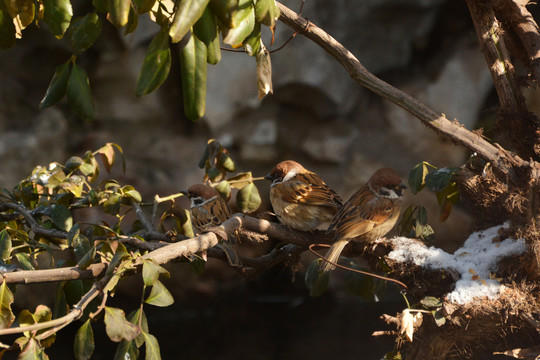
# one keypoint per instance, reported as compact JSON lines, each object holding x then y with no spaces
{"x":139,"y":317}
{"x":316,"y":281}
{"x":24,"y":9}
{"x":58,"y":85}
{"x":117,"y":327}
{"x":252,"y":43}
{"x":119,"y":12}
{"x":126,"y":350}
{"x":193,"y":71}
{"x":248,"y":198}
{"x":159,"y":296}
{"x":359,"y":285}
{"x":151,"y":272}
{"x":417,"y":177}
{"x":57,"y":15}
{"x":152,"y":347}
{"x":74,"y":163}
{"x":143,"y":6}
{"x":241,"y":180}
{"x":6,"y":298}
{"x":439,"y":179}
{"x":264,"y":73}
{"x":84,"y":342}
{"x":79,"y":93}
{"x":25,"y":261}
{"x":206,"y":30}
{"x":156,"y":64}
{"x":84,"y":31}
{"x":224,"y":189}
{"x":101,"y":5}
{"x":133,"y":22}
{"x":112,"y":204}
{"x":225,"y":162}
{"x":266,"y":12}
{"x":5,"y":244}
{"x":187,"y":14}
{"x":61,"y":217}
{"x":439,"y":318}
{"x":236,"y":35}
{"x":33,"y":351}
{"x":431,"y":302}
{"x":60,"y":305}
{"x":7,"y":28}
{"x":197,"y":265}
{"x":74,"y":291}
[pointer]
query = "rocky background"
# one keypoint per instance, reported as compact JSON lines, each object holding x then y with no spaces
{"x":318,"y":115}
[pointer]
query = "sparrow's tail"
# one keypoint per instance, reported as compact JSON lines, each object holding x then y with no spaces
{"x":333,"y":255}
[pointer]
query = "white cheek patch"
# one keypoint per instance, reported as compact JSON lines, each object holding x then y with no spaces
{"x":290,"y":175}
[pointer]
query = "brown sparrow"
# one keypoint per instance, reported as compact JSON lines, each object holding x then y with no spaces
{"x":369,"y":214}
{"x":209,"y":209}
{"x":300,"y":198}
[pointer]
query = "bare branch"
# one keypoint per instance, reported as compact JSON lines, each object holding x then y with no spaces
{"x":499,"y":158}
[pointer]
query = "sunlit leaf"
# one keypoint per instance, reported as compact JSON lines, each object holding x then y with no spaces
{"x":235,"y":36}
{"x":248,"y":198}
{"x":417,"y":177}
{"x":139,"y":317}
{"x":152,"y":347}
{"x":439,"y":318}
{"x":133,"y":22}
{"x":225,"y":162}
{"x":252,"y":43}
{"x":112,"y":204}
{"x":61,"y":217}
{"x":7,"y":28}
{"x":6,"y":298}
{"x":33,"y":351}
{"x":156,"y":64}
{"x":316,"y":281}
{"x":84,"y":31}
{"x":439,"y":179}
{"x":193,"y":72}
{"x":159,"y":296}
{"x":119,"y":12}
{"x":57,"y":15}
{"x":126,"y":350}
{"x":187,"y":14}
{"x":431,"y":302}
{"x":74,"y":163}
{"x":83,"y":347}
{"x":151,"y":272}
{"x":58,"y":85}
{"x":266,"y":12}
{"x":25,"y":261}
{"x":224,"y":189}
{"x":23,"y":9}
{"x":79,"y":93}
{"x":117,"y":327}
{"x":5,"y":245}
{"x":240,"y":180}
{"x":264,"y":73}
{"x":206,"y":30}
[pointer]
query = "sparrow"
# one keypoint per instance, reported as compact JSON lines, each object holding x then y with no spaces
{"x":300,"y":198}
{"x":209,"y":209}
{"x":369,"y":214}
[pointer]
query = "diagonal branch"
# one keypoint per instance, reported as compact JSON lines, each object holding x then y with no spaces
{"x":498,"y":157}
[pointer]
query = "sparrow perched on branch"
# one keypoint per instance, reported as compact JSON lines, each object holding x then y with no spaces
{"x":209,"y":209}
{"x":300,"y":198}
{"x":369,"y":214}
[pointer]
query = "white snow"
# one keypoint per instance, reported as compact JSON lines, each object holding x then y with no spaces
{"x":474,"y":261}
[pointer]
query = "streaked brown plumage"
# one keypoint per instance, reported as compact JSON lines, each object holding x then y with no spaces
{"x":300,"y":198}
{"x":209,"y":209}
{"x":369,"y":214}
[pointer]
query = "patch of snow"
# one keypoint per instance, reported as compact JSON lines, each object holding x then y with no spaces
{"x":474,"y":261}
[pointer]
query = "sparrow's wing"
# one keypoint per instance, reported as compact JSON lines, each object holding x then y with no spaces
{"x":360,"y":215}
{"x":308,"y":188}
{"x":211,"y":213}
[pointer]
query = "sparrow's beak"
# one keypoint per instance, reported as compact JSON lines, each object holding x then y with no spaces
{"x":402,"y":186}
{"x":269,"y":177}
{"x":184,"y":192}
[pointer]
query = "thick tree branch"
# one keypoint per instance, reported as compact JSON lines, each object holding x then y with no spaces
{"x":498,"y":157}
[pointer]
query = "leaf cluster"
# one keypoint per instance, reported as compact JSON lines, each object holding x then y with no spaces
{"x":199,"y":22}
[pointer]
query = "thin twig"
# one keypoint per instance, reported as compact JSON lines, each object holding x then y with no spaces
{"x":354,"y":270}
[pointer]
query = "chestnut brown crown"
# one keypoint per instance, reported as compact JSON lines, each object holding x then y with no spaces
{"x":284,"y":168}
{"x":386,"y":182}
{"x":201,"y":190}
